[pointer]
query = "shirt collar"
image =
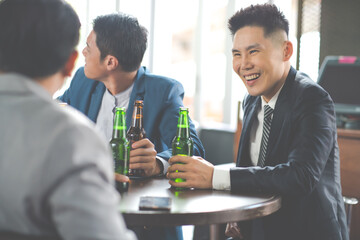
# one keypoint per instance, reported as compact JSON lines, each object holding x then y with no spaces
{"x":118,"y":97}
{"x":272,"y":101}
{"x":19,"y":83}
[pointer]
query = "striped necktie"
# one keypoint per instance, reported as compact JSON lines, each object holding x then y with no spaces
{"x":265,"y":136}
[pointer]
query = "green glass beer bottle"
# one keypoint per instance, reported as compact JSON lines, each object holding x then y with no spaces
{"x":182,"y":143}
{"x":136,"y":132}
{"x":120,"y":148}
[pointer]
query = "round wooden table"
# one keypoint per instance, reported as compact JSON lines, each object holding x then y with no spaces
{"x":193,"y":206}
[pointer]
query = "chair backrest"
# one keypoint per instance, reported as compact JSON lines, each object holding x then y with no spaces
{"x":237,"y":131}
{"x":218,"y":144}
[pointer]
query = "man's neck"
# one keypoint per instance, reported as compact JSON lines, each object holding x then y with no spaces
{"x":119,"y":81}
{"x":51,"y":83}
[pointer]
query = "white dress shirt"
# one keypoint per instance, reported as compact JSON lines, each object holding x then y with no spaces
{"x":221,"y":176}
{"x":105,"y":118}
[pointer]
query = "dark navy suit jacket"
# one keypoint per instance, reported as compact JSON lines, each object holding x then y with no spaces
{"x":302,"y":163}
{"x":162,"y":98}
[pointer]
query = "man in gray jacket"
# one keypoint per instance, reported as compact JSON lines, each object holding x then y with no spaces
{"x":56,"y":171}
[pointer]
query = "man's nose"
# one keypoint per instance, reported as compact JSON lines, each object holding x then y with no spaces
{"x":245,"y":63}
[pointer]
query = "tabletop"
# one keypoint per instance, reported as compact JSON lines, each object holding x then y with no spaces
{"x":193,"y":206}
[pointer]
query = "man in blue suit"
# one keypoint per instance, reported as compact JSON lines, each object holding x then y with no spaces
{"x":288,"y":144}
{"x":112,"y":77}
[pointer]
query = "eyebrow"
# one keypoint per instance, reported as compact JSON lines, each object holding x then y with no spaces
{"x":255,"y":45}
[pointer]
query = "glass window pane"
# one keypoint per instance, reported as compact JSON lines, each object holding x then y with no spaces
{"x":214,"y":60}
{"x":87,"y":10}
{"x":142,"y":11}
{"x":174,"y":37}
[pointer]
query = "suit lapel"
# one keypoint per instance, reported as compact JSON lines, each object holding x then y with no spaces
{"x":243,"y":152}
{"x":95,"y":101}
{"x":281,"y":111}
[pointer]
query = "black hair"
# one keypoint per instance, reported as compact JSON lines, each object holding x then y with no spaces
{"x":265,"y":15}
{"x":36,"y":36}
{"x":122,"y":36}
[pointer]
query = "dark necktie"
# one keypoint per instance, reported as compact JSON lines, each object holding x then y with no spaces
{"x":265,"y":136}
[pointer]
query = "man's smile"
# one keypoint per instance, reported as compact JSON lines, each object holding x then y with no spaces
{"x":252,"y":77}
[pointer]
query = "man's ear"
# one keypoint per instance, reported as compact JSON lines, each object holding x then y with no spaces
{"x":70,"y":64}
{"x":288,"y":50}
{"x":111,"y":62}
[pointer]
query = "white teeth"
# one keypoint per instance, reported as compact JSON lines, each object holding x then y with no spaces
{"x":251,"y":77}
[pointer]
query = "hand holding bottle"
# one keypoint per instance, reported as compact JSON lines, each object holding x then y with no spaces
{"x":186,"y":171}
{"x":196,"y":171}
{"x":121,"y":178}
{"x":143,"y":156}
{"x":182,"y":144}
{"x":136,"y":133}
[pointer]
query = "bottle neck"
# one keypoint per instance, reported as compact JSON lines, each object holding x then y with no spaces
{"x":137,"y":120}
{"x":119,"y":128}
{"x":183,"y":125}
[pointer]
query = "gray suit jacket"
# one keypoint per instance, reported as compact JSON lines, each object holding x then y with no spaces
{"x":56,"y":172}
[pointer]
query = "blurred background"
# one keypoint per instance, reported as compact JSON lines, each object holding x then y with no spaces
{"x":189,"y":41}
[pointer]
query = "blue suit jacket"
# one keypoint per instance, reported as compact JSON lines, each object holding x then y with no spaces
{"x":162,"y":98}
{"x":302,"y":163}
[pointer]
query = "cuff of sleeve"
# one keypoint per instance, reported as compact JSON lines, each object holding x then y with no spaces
{"x":163,"y":164}
{"x":221,"y":179}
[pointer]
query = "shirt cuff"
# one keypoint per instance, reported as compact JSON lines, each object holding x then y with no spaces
{"x":164,"y":164}
{"x":221,"y":178}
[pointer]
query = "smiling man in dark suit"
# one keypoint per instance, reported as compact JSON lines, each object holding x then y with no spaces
{"x":288,"y":144}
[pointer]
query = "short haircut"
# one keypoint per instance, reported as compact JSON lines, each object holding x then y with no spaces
{"x":123,"y":37}
{"x":37,"y":37}
{"x":266,"y":16}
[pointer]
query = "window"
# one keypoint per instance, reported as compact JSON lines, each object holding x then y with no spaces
{"x":190,"y":42}
{"x":310,"y":37}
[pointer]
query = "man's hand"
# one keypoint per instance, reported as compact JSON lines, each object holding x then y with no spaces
{"x":233,"y":230}
{"x":143,"y":156}
{"x":121,"y":178}
{"x":197,"y":172}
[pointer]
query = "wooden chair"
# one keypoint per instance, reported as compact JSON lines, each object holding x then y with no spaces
{"x":349,"y":142}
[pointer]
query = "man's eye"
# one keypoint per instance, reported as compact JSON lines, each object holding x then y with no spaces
{"x":253,"y":51}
